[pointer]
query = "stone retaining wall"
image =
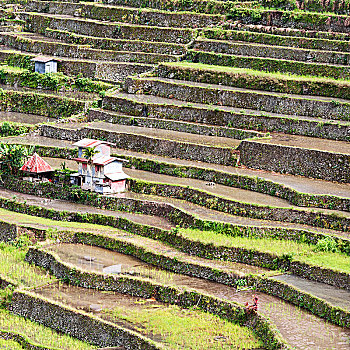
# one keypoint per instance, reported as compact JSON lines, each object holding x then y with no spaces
{"x":118,"y":14}
{"x":297,"y":161}
{"x":217,"y":116}
{"x":38,"y":23}
{"x":145,"y":144}
{"x":269,"y":64}
{"x":79,"y":51}
{"x":265,"y":82}
{"x":166,"y":294}
{"x":76,"y":323}
{"x":201,"y":129}
{"x":40,"y":104}
{"x":240,"y":99}
{"x":270,"y":51}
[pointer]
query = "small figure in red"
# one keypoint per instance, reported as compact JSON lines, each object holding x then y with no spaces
{"x":253,"y":307}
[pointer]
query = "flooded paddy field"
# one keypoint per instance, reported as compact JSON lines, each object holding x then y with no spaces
{"x":23,"y":118}
{"x":298,"y":327}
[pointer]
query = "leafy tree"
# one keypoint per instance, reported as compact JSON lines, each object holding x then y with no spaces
{"x":12,"y":157}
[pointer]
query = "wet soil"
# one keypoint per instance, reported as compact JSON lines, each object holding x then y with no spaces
{"x":96,"y":302}
{"x":208,"y":214}
{"x":74,"y":207}
{"x":298,"y":183}
{"x":335,"y":296}
{"x":307,"y":142}
{"x":300,"y":328}
{"x":23,"y":118}
{"x":96,"y":259}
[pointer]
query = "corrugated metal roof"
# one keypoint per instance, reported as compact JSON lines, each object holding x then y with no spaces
{"x":35,"y":164}
{"x":103,"y":160}
{"x":43,"y":59}
{"x":87,"y":143}
{"x":117,"y":176}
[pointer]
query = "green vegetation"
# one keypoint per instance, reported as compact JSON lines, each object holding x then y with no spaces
{"x":50,"y":81}
{"x":14,"y":268}
{"x":189,"y":329}
{"x":24,"y":219}
{"x":37,"y":334}
{"x":12,"y":157}
{"x":10,"y":345}
{"x":297,"y":251}
{"x":13,"y":129}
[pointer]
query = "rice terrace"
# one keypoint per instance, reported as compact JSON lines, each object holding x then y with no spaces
{"x":175,"y":174}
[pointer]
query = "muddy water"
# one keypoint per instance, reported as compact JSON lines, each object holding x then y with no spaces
{"x":23,"y":118}
{"x":301,"y":329}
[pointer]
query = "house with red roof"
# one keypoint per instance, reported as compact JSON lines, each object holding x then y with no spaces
{"x":37,"y":167}
{"x":103,"y":173}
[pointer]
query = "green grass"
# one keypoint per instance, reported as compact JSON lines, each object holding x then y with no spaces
{"x":24,"y":219}
{"x":300,"y":251}
{"x":10,"y":345}
{"x":188,"y":329}
{"x":12,"y":69}
{"x":233,"y":70}
{"x":14,"y":268}
{"x":39,"y":334}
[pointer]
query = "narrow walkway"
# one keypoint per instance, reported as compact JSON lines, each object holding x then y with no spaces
{"x":333,"y":295}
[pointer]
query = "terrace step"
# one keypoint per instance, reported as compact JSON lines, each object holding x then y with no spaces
{"x":200,"y":6}
{"x":268,"y":304}
{"x":72,"y":254}
{"x":174,"y":125}
{"x":308,"y":21}
{"x":42,"y":45}
{"x":38,"y":22}
{"x":175,"y":144}
{"x":334,"y":296}
{"x":300,"y":184}
{"x":287,"y":31}
{"x":168,"y":108}
{"x":124,"y":14}
{"x":71,"y":207}
{"x":234,"y":194}
{"x":273,"y":102}
{"x":68,"y":315}
{"x":117,"y":44}
{"x":298,"y":155}
{"x":254,"y":79}
{"x":276,"y":39}
{"x":99,"y":70}
{"x":206,"y":214}
{"x":269,"y":51}
{"x":270,"y":64}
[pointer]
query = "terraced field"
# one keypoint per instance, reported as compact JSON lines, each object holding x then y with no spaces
{"x":233,"y":121}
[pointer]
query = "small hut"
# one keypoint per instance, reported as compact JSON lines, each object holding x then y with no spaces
{"x":44,"y":64}
{"x":37,"y":168}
